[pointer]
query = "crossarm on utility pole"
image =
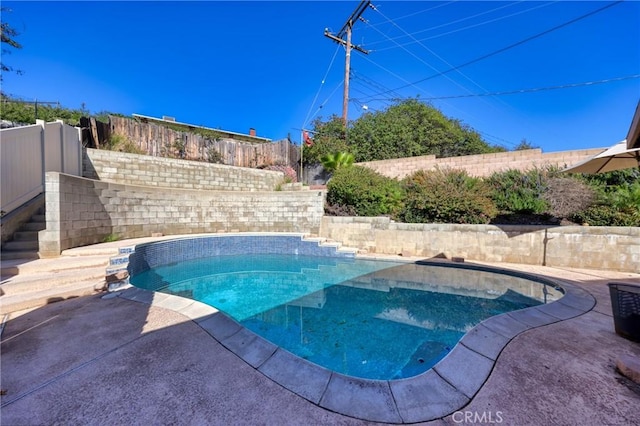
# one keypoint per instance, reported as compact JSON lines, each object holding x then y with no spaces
{"x":339,"y":38}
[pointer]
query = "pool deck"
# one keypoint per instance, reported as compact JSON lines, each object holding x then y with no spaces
{"x":139,"y":358}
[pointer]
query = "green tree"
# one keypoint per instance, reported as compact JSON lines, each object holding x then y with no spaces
{"x":407,"y":128}
{"x":328,"y":138}
{"x":411,"y":128}
{"x":338,"y":160}
{"x":524,"y":145}
{"x":7,"y":36}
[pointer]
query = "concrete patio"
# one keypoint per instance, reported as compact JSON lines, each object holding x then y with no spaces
{"x":93,"y":360}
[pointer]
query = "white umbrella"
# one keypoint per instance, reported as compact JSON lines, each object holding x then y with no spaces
{"x":617,"y":157}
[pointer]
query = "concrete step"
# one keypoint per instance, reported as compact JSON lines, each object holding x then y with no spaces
{"x":19,"y":255}
{"x":32,"y":283}
{"x":33,"y":226}
{"x":22,"y":266}
{"x":21,"y":245}
{"x":25,"y":236}
{"x":36,"y":299}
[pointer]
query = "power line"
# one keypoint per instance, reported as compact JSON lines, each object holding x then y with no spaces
{"x":306,"y":120}
{"x":326,"y":100}
{"x":466,"y":18}
{"x":499,"y":18}
{"x":372,"y":83}
{"x":433,"y":53}
{"x":488,"y":55}
{"x":419,"y":12}
{"x":396,"y":76}
{"x":531,"y":90}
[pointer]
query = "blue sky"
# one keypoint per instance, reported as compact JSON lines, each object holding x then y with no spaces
{"x":237,"y":65}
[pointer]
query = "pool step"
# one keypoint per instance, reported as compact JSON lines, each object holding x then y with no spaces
{"x":326,"y":242}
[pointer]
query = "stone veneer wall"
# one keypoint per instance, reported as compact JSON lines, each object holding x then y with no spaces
{"x":481,"y":165}
{"x":82,"y":211}
{"x":608,"y":248}
{"x":133,"y":169}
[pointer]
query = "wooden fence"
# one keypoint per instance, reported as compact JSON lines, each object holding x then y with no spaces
{"x":158,"y":140}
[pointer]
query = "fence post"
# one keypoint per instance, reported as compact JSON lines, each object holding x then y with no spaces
{"x":62,"y":153}
{"x":79,"y":149}
{"x":42,"y":155}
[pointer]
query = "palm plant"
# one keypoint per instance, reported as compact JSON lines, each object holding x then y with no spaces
{"x":338,"y":160}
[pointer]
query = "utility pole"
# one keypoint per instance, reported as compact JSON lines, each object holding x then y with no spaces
{"x":340,"y":38}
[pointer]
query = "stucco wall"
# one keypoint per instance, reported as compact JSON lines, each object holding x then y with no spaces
{"x":82,"y":211}
{"x":608,"y":248}
{"x":481,"y":165}
{"x":133,"y":169}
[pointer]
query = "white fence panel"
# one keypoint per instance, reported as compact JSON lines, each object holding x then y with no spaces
{"x":72,"y":151}
{"x":28,"y":152}
{"x":53,"y":147}
{"x":22,"y":169}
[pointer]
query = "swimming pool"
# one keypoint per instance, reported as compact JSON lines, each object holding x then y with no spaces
{"x":439,"y":391}
{"x":366,"y":318}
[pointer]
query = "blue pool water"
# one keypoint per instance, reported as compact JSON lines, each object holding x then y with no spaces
{"x":364,"y":318}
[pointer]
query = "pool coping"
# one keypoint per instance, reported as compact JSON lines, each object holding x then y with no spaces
{"x":434,"y":394}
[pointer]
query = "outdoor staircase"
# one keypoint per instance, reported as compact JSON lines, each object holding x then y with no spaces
{"x":24,"y":244}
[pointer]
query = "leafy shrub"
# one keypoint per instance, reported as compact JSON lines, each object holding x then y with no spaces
{"x":290,"y":174}
{"x":338,"y":210}
{"x":519,"y":192}
{"x":285,"y":181}
{"x":619,"y":205}
{"x":606,"y":215}
{"x":213,"y":155}
{"x":446,"y":197}
{"x":118,"y":142}
{"x":626,"y":197}
{"x":367,"y":192}
{"x":611,"y":180}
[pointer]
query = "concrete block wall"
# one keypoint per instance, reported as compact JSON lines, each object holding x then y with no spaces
{"x":133,"y":169}
{"x":82,"y":211}
{"x":481,"y":165}
{"x":607,"y":248}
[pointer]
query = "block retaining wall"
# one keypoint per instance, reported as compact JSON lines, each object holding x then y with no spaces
{"x":133,"y":169}
{"x":82,"y":211}
{"x":481,"y":165}
{"x":607,"y":248}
